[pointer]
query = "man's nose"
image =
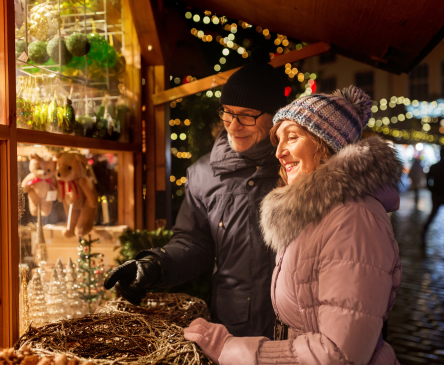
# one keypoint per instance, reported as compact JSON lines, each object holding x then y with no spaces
{"x":235,"y":125}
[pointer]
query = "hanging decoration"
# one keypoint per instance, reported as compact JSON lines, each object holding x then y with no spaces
{"x":20,"y":47}
{"x":24,"y":302}
{"x":39,"y":182}
{"x":44,"y":22}
{"x":53,"y":51}
{"x":37,"y":52}
{"x":77,"y":192}
{"x":99,"y":47}
{"x":21,"y":200}
{"x":78,"y":44}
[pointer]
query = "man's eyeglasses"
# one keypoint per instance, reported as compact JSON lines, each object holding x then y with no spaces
{"x":244,"y":119}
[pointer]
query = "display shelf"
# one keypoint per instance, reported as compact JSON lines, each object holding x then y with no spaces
{"x":51,"y":139}
{"x":111,"y":101}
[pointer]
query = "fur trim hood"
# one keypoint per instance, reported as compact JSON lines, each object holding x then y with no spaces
{"x":357,"y":170}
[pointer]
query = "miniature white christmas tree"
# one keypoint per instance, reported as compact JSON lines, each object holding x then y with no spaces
{"x":56,"y":299}
{"x":38,"y":314}
{"x":75,"y":303}
{"x":61,"y":275}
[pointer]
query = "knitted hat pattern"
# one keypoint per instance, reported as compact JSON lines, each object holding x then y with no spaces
{"x":257,"y":85}
{"x":338,"y":119}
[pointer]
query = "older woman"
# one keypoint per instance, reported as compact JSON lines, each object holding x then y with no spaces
{"x":337,"y":265}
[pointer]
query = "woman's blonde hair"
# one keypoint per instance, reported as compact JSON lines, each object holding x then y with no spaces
{"x":323,"y":150}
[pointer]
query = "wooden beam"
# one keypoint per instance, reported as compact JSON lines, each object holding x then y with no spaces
{"x":222,"y":77}
{"x":9,"y":240}
{"x":146,"y":19}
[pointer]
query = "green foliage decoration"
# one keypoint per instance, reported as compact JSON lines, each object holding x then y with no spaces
{"x":134,"y":241}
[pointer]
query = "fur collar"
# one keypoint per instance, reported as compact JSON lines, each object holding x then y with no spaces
{"x":356,"y":170}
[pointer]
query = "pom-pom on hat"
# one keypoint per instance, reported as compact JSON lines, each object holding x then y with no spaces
{"x":338,"y":119}
{"x":257,"y":85}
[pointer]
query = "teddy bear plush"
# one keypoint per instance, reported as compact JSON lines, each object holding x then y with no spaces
{"x":39,"y":182}
{"x":77,"y":192}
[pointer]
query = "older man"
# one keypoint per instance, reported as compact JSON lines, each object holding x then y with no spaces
{"x":219,"y":219}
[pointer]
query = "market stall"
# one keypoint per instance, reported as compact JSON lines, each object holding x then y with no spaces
{"x":71,"y":150}
{"x":84,"y":155}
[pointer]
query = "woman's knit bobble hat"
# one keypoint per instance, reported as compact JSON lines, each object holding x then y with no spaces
{"x":257,"y":85}
{"x":338,"y":119}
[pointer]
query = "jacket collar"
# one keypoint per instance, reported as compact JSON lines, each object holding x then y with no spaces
{"x":369,"y":167}
{"x":224,"y":159}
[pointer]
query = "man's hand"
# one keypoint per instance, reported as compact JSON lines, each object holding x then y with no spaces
{"x":133,"y":277}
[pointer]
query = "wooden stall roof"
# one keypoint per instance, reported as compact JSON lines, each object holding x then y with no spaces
{"x":392,"y":35}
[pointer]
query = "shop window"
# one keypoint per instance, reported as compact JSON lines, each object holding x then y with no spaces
{"x":77,"y":84}
{"x":66,"y":193}
{"x":327,"y":85}
{"x":76,"y":195}
{"x":364,"y":80}
{"x":327,"y":57}
{"x":419,"y":83}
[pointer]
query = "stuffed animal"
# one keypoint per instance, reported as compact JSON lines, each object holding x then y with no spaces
{"x":39,"y":182}
{"x":77,"y":192}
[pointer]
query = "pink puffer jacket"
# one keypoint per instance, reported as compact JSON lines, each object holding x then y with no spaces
{"x":337,"y":266}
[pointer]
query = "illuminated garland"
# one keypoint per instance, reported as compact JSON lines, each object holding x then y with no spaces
{"x":411,"y":135}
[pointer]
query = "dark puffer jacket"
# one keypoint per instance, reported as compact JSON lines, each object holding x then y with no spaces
{"x":219,"y":219}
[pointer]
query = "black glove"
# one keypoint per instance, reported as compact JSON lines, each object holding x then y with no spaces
{"x":133,"y":277}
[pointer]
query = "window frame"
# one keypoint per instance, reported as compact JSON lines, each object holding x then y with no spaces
{"x":130,"y":167}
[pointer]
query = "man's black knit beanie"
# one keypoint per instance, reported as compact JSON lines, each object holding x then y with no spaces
{"x":256,"y":85}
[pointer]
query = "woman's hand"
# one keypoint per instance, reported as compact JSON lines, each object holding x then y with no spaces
{"x":210,"y":337}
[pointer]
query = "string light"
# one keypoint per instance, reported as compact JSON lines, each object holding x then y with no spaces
{"x":411,"y":135}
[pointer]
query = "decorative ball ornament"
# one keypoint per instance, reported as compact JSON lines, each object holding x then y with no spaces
{"x":44,"y":22}
{"x":95,"y":70}
{"x":78,"y":44}
{"x":53,"y":51}
{"x":112,"y":57}
{"x":77,"y":62}
{"x":99,"y":47}
{"x":20,"y":47}
{"x":37,"y":52}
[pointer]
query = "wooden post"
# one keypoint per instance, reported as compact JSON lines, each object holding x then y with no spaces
{"x":9,"y":242}
{"x":156,"y":149}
